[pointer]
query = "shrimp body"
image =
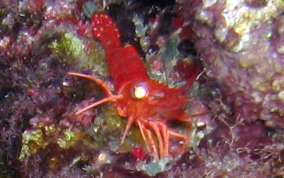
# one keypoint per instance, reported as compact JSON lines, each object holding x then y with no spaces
{"x":144,"y":101}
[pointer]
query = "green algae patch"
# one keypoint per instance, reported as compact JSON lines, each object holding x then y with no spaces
{"x":32,"y":142}
{"x":112,"y":119}
{"x":50,"y":138}
{"x":69,"y":45}
{"x":68,"y":139}
{"x":87,"y":53}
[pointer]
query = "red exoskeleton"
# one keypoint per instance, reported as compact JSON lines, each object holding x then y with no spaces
{"x":142,"y":100}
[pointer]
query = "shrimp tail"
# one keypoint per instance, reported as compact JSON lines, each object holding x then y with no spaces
{"x":105,"y":30}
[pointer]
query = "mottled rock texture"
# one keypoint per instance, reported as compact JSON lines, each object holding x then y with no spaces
{"x":241,"y":44}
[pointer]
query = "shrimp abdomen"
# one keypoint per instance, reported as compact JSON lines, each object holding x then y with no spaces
{"x":124,"y":62}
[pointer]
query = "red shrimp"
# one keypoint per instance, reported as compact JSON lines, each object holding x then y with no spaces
{"x":144,"y":101}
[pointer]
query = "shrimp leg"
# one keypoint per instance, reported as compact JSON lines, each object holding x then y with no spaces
{"x":148,"y":139}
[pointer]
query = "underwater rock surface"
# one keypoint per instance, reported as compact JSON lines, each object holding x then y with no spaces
{"x":235,"y":106}
{"x":241,"y":45}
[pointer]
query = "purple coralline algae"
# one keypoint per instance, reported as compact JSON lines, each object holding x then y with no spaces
{"x":241,"y":45}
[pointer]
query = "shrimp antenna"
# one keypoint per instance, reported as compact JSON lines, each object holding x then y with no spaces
{"x":110,"y":98}
{"x":94,"y":79}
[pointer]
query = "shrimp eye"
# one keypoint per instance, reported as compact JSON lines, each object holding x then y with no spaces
{"x":139,"y":91}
